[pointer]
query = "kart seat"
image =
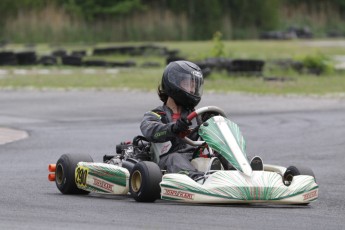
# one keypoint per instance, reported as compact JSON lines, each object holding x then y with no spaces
{"x":154,"y":152}
{"x":207,"y":164}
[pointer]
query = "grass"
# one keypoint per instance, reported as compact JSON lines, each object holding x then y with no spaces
{"x":266,"y":50}
{"x":148,"y":78}
{"x":302,"y":85}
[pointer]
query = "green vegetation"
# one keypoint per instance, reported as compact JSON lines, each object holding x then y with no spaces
{"x":293,"y":84}
{"x":89,"y":21}
{"x":218,"y":46}
{"x":148,"y":79}
{"x":285,"y":81}
{"x":319,"y":63}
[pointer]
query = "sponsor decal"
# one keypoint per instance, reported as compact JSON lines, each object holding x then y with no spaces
{"x":159,"y":134}
{"x":184,"y":195}
{"x":310,"y":195}
{"x":103,"y":184}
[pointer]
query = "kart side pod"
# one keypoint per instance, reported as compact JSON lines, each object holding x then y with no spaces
{"x":97,"y":177}
{"x":78,"y":174}
{"x":102,"y":178}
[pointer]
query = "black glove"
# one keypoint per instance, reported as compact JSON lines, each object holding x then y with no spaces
{"x":181,"y":125}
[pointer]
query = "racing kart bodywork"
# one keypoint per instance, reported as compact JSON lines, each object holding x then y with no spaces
{"x":134,"y":170}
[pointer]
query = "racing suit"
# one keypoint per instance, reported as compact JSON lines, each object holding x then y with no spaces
{"x":156,"y":127}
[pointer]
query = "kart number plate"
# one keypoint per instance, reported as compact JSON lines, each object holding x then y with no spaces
{"x":80,"y":176}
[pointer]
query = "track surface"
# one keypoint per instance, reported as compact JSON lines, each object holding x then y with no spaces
{"x":283,"y":130}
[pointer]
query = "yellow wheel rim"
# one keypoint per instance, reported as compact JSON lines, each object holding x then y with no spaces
{"x":59,"y":174}
{"x":136,"y":181}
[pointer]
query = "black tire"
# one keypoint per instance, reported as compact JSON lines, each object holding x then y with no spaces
{"x":48,"y":60}
{"x":144,"y":181}
{"x":8,"y":58}
{"x":65,"y":173}
{"x":96,"y":63}
{"x":292,"y":171}
{"x":71,"y":60}
{"x":26,"y":58}
{"x":129,"y":164}
{"x":59,"y":53}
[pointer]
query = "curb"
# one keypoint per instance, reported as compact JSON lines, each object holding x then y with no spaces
{"x":10,"y":135}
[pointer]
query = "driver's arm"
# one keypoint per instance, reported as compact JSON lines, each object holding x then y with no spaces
{"x":154,"y":129}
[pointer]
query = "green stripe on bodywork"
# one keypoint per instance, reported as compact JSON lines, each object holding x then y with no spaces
{"x":114,"y":175}
{"x":269,"y":188}
{"x":170,"y":198}
{"x":210,"y":132}
{"x":114,"y":179}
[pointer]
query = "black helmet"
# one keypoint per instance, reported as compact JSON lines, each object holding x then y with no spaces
{"x":182,"y":81}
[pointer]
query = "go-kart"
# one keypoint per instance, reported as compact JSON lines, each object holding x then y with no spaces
{"x":133,"y":170}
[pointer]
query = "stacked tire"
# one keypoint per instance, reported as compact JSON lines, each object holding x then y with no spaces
{"x":26,"y":58}
{"x":8,"y":58}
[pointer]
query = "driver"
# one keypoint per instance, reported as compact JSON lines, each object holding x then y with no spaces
{"x":180,"y":91}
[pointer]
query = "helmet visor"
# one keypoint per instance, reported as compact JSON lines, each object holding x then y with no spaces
{"x":190,"y":83}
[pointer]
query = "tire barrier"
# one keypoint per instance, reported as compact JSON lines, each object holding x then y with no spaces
{"x":79,"y":53}
{"x":76,"y":58}
{"x":95,"y":63}
{"x":297,"y":66}
{"x":277,"y":79}
{"x":291,"y":33}
{"x":238,"y":67}
{"x":71,"y":60}
{"x":246,"y":67}
{"x":26,"y":58}
{"x":59,"y":53}
{"x":47,"y":60}
{"x":215,"y":63}
{"x":101,"y":63}
{"x":155,"y":50}
{"x":122,"y":64}
{"x":113,"y":50}
{"x":8,"y":58}
{"x":335,"y":34}
{"x":143,"y":50}
{"x":286,"y":64}
{"x":150,"y":64}
{"x":20,"y":58}
{"x":60,"y":56}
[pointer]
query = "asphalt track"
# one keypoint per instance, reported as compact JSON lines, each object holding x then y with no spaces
{"x":283,"y":130}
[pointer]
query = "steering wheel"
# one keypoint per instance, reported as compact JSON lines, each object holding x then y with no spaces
{"x":200,"y":111}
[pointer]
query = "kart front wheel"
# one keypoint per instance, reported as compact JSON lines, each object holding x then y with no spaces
{"x":65,"y":173}
{"x":292,"y":171}
{"x":144,"y":181}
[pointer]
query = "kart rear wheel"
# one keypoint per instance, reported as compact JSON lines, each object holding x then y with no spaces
{"x":292,"y":171}
{"x":65,"y":173}
{"x":144,"y":181}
